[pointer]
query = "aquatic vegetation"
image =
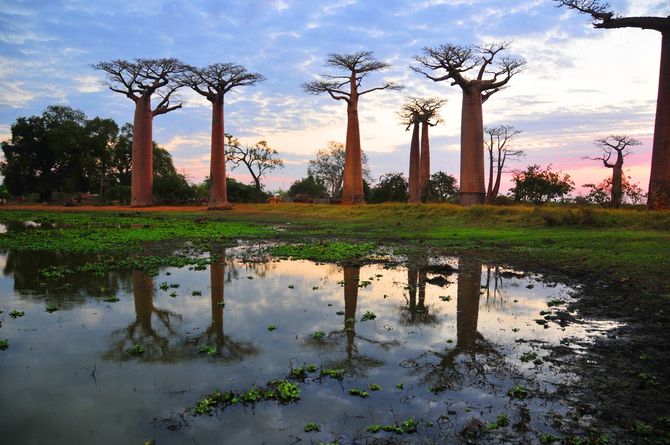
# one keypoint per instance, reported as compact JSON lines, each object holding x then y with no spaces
{"x":311,"y":368}
{"x":359,"y":393}
{"x":400,"y":386}
{"x":324,"y":251}
{"x":272,"y":327}
{"x":208,"y":349}
{"x":291,"y":286}
{"x":173,"y":294}
{"x":445,"y":297}
{"x":368,"y":315}
{"x":312,"y":427}
{"x":337,"y":374}
{"x":548,"y":439}
{"x":374,"y":387}
{"x":111,"y":299}
{"x":518,"y":392}
{"x":136,"y":350}
{"x":4,"y":344}
{"x":16,"y":314}
{"x":298,"y":373}
{"x":287,"y":391}
{"x":364,"y":283}
{"x":528,"y":357}
{"x":51,"y":308}
{"x":252,"y":395}
{"x":164,"y":286}
{"x":408,"y":426}
{"x":196,"y":293}
{"x":553,"y":303}
{"x":501,"y":421}
{"x":318,"y":335}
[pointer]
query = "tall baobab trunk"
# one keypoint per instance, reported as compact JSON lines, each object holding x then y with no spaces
{"x":352,"y":187}
{"x":218,"y":194}
{"x":659,"y":180}
{"x":425,"y":157}
{"x":142,"y":179}
{"x":472,"y":149}
{"x":617,"y":182}
{"x":414,"y":167}
{"x":467,"y":304}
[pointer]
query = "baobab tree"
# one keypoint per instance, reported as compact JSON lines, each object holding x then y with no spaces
{"x":451,"y":62}
{"x":497,"y":142}
{"x":411,"y":119}
{"x":139,"y":81}
{"x":345,"y":87}
{"x":426,"y":112}
{"x":604,"y":18}
{"x":617,"y":146}
{"x":213,"y":82}
{"x":328,"y":167}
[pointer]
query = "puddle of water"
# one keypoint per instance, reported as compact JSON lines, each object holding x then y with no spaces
{"x":455,"y":342}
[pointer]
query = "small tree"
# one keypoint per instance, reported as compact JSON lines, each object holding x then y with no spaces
{"x":452,"y":62}
{"x":617,"y":146}
{"x":601,"y":193}
{"x":356,"y":67}
{"x":497,"y":143}
{"x":391,"y":187}
{"x":328,"y":168}
{"x":308,"y":187}
{"x":539,"y":185}
{"x":139,"y":81}
{"x":259,"y":158}
{"x":441,"y":187}
{"x":213,"y":82}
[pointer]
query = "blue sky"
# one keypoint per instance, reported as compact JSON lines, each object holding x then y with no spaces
{"x":580,"y":84}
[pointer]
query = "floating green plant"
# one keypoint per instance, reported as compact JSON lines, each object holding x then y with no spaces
{"x":196,"y":293}
{"x":272,"y":327}
{"x":311,"y":368}
{"x":208,"y":349}
{"x":528,"y":357}
{"x":359,"y":393}
{"x":501,"y":421}
{"x":408,"y":426}
{"x":368,"y":315}
{"x":445,"y":297}
{"x":312,"y":427}
{"x":136,"y":349}
{"x":4,"y":344}
{"x":318,"y":335}
{"x":16,"y":314}
{"x":111,"y":299}
{"x":374,"y":387}
{"x":51,"y":308}
{"x":334,"y":373}
{"x":287,"y":391}
{"x":518,"y":392}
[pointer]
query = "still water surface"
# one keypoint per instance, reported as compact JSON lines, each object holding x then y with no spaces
{"x":454,"y":341}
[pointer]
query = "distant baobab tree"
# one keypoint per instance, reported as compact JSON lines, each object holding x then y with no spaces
{"x":617,"y":146}
{"x":411,"y":119}
{"x":139,"y":80}
{"x":426,"y":112}
{"x":213,"y":82}
{"x":497,"y":142}
{"x":659,"y":180}
{"x":346,"y":87}
{"x":451,"y":62}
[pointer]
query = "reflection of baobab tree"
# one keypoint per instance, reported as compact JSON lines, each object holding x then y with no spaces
{"x":416,"y":311}
{"x":472,"y":355}
{"x":214,"y":336}
{"x":354,"y":363}
{"x":493,"y":286}
{"x":153,"y":328}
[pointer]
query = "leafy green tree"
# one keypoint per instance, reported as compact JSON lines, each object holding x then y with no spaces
{"x":259,"y":158}
{"x":441,"y":187}
{"x":601,"y":193}
{"x":391,"y":187}
{"x":328,"y":168}
{"x":172,"y":189}
{"x":308,"y":187}
{"x":539,"y":185}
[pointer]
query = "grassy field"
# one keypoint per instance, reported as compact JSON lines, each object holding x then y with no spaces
{"x":620,"y":246}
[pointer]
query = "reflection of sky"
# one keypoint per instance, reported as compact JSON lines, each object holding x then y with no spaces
{"x":574,"y":90}
{"x":51,"y":356}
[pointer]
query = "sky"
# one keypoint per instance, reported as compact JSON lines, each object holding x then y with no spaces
{"x":579,"y":83}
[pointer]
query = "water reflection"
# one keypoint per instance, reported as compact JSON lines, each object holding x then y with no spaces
{"x":472,"y":353}
{"x":416,"y":311}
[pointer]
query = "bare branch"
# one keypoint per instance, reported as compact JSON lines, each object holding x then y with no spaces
{"x":612,"y":145}
{"x":603,"y":17}
{"x":215,"y":80}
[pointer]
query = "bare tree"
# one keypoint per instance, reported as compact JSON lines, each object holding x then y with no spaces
{"x":617,"y":146}
{"x":603,"y":17}
{"x":345,"y":87}
{"x":213,"y":82}
{"x":139,"y":80}
{"x":426,"y":112}
{"x":497,"y":144}
{"x":259,"y":158}
{"x":328,"y":167}
{"x":451,"y":62}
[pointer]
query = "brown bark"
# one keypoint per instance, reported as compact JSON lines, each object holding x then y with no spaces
{"x":414,"y":167}
{"x":467,"y":304}
{"x":425,"y":157}
{"x":218,"y":193}
{"x":617,"y":175}
{"x":141,"y":190}
{"x":472,"y":148}
{"x":412,"y":283}
{"x":352,"y":185}
{"x":659,"y":181}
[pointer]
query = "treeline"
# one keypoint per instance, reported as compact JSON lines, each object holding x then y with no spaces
{"x":62,"y":153}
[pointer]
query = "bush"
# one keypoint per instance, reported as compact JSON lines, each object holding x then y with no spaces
{"x":172,"y":189}
{"x":238,"y":192}
{"x":308,"y":187}
{"x":391,"y":187}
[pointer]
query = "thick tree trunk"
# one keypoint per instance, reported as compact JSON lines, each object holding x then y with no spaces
{"x":414,"y":167}
{"x":617,"y":184}
{"x":472,"y":149}
{"x":141,"y":185}
{"x":467,"y":304}
{"x":659,"y":180}
{"x":412,"y":285}
{"x":352,"y":187}
{"x":425,"y":159}
{"x":489,"y":189}
{"x":218,"y":193}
